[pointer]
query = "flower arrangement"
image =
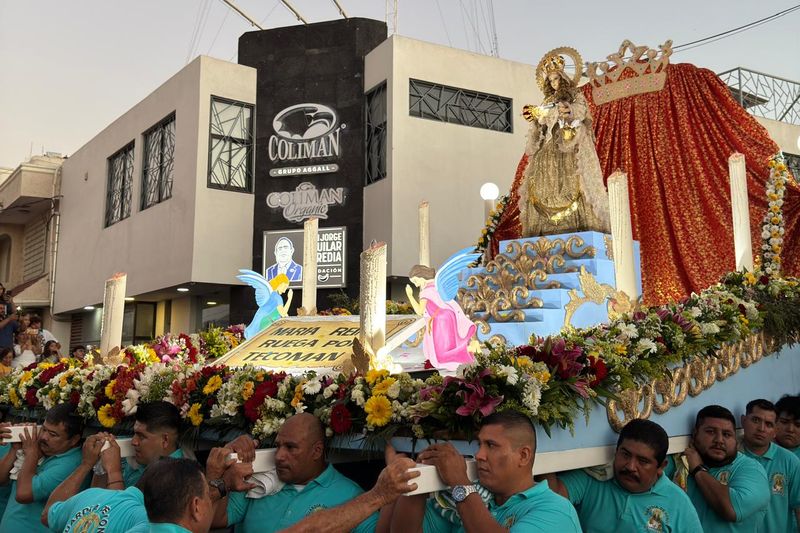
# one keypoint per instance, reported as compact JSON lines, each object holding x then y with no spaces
{"x":169,"y":347}
{"x":491,"y":224}
{"x":772,"y":227}
{"x":552,"y":379}
{"x":216,"y":342}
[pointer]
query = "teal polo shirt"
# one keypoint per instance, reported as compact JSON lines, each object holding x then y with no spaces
{"x":100,"y":510}
{"x":795,"y":451}
{"x":535,"y":510}
{"x":783,"y":476}
{"x":288,"y":506}
{"x":26,"y":517}
{"x":749,"y":493}
{"x":167,"y":528}
{"x":5,"y":490}
{"x":606,"y":507}
{"x":131,"y":474}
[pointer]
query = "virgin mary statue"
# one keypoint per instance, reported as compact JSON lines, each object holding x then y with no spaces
{"x":562,"y":187}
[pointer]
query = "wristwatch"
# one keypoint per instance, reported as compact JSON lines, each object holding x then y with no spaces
{"x":697,"y":469}
{"x":219,"y":485}
{"x":460,"y":492}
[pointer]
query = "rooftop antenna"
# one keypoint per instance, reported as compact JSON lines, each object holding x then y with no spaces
{"x":244,"y":15}
{"x":340,"y":8}
{"x":294,"y":11}
{"x":391,"y":16}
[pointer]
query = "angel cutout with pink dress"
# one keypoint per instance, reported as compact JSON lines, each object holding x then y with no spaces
{"x":448,"y":331}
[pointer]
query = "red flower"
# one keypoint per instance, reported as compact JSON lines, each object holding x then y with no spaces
{"x":340,"y":419}
{"x":599,"y":369}
{"x":527,"y":351}
{"x":74,"y":397}
{"x":428,"y":365}
{"x":31,"y":366}
{"x":251,"y":406}
{"x":30,"y":397}
{"x":210,"y":401}
{"x":48,"y":374}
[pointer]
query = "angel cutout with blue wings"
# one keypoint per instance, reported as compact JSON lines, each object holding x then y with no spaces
{"x":269,"y":299}
{"x":448,"y":332}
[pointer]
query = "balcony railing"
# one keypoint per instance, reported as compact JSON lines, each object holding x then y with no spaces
{"x":764,"y":95}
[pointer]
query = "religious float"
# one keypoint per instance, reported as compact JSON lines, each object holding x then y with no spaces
{"x":580,"y":307}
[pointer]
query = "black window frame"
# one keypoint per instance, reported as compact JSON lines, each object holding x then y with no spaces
{"x":123,"y":196}
{"x":464,"y":107}
{"x":163,"y":184}
{"x":375,"y":135}
{"x":247,"y":144}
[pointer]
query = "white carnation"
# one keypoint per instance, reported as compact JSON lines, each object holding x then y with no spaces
{"x":646,"y":345}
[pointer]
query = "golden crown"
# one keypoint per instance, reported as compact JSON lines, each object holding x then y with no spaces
{"x":553,"y":64}
{"x":553,"y":61}
{"x":647,"y":72}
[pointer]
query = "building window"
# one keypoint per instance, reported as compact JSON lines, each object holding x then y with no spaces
{"x":158,"y":168}
{"x":459,"y":106}
{"x":231,"y":146}
{"x":793,"y":162}
{"x":120,"y":179}
{"x":376,"y":134}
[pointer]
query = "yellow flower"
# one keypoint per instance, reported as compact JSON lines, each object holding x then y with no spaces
{"x":247,"y":390}
{"x":195,"y":415}
{"x":298,"y":394}
{"x":53,"y":394}
{"x":543,"y":376}
{"x":12,"y":395}
{"x":379,"y":411}
{"x":110,"y":388}
{"x":213,"y":384}
{"x":382,"y":387}
{"x":749,"y":278}
{"x":620,"y":349}
{"x":45,"y":366}
{"x":744,"y":321}
{"x":775,"y":220}
{"x":152,"y":356}
{"x":780,"y":167}
{"x":260,"y":376}
{"x":26,"y":377}
{"x":105,"y":417}
{"x":524,"y":361}
{"x":373,"y":376}
{"x":775,"y":209}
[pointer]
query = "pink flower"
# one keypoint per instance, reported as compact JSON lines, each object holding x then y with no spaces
{"x":566,"y":360}
{"x":476,"y":401}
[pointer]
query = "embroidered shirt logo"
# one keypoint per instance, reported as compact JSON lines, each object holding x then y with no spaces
{"x":723,"y":477}
{"x":657,"y":517}
{"x":778,"y":483}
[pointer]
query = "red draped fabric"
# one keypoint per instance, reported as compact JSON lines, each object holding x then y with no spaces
{"x":674,"y":145}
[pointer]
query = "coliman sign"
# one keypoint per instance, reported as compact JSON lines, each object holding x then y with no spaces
{"x":305,"y":132}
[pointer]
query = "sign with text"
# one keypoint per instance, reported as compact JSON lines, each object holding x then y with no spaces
{"x":306,"y":201}
{"x":311,"y":342}
{"x":283,"y":254}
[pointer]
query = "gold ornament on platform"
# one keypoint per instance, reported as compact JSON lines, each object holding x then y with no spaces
{"x":647,"y":72}
{"x":690,"y":379}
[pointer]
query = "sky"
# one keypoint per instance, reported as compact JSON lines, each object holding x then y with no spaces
{"x":68,"y":68}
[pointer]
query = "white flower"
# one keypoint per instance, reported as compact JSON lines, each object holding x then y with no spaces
{"x":532,"y":395}
{"x":329,"y":390}
{"x":312,"y":386}
{"x":510,"y":374}
{"x":358,"y":397}
{"x":394,"y":390}
{"x":299,"y":408}
{"x":709,"y":328}
{"x":628,"y":330}
{"x":646,"y":345}
{"x":694,"y":312}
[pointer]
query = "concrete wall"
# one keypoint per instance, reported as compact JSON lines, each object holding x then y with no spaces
{"x":198,"y":234}
{"x":443,"y":163}
{"x":786,"y":135}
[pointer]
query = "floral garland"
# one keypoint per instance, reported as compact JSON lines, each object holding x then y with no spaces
{"x":491,"y":224}
{"x":551,"y":379}
{"x":772,"y":227}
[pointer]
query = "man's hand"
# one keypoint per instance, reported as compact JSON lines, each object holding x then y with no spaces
{"x":111,"y":458}
{"x":91,"y":449}
{"x":234,"y":477}
{"x":449,"y":463}
{"x":692,"y":457}
{"x":30,"y":443}
{"x":393,"y":480}
{"x":245,"y":448}
{"x":5,"y":432}
{"x":218,"y":462}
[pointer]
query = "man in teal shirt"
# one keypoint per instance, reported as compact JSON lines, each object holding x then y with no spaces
{"x":5,"y":490}
{"x":507,"y":447}
{"x":787,"y":430}
{"x":155,"y":435}
{"x":111,"y":511}
{"x":309,"y":484}
{"x":781,"y":465}
{"x":728,"y":489}
{"x":639,"y":497}
{"x":177,"y":497}
{"x":51,"y":454}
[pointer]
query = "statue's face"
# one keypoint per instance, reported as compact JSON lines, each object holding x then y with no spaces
{"x":555,"y":80}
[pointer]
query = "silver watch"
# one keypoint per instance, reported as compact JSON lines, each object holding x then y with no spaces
{"x":460,"y":492}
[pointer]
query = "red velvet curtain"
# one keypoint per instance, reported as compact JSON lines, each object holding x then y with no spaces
{"x":674,"y":145}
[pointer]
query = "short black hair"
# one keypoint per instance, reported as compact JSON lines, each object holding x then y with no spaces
{"x":789,"y":405}
{"x":78,"y":347}
{"x":511,"y":419}
{"x":5,"y":350}
{"x":158,"y":416}
{"x":760,"y":403}
{"x":168,"y":486}
{"x":36,"y":319}
{"x":65,"y":413}
{"x":649,"y":433}
{"x":714,"y":411}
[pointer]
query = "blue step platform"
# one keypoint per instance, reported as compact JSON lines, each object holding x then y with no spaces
{"x":526,"y":288}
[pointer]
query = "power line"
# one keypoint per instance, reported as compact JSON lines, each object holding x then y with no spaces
{"x":444,"y":23}
{"x":712,"y":38}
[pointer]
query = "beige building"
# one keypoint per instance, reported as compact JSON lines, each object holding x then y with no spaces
{"x":439,"y":157}
{"x":29,"y":221}
{"x":164,"y":194}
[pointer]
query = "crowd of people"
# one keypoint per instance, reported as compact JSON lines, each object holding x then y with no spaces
{"x":54,"y":479}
